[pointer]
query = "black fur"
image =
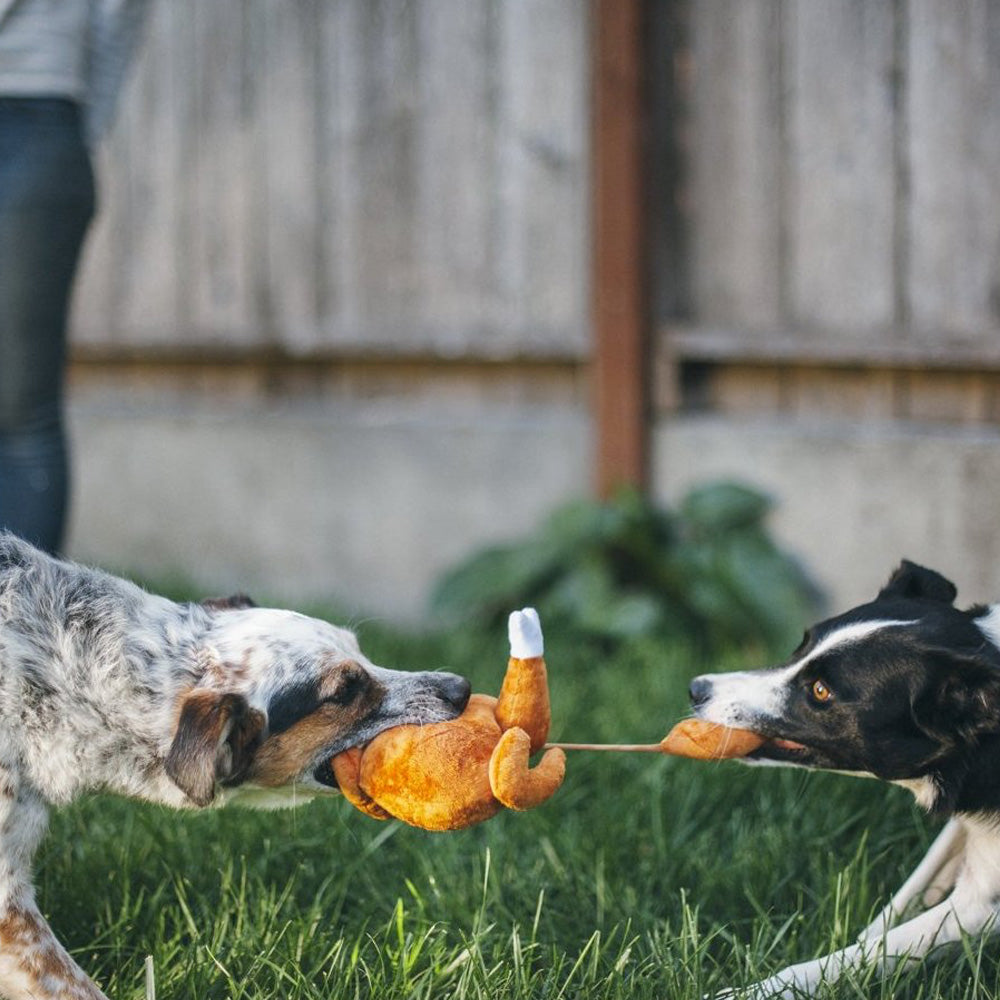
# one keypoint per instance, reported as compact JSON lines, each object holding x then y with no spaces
{"x":291,"y":704}
{"x":914,"y":582}
{"x":921,"y":701}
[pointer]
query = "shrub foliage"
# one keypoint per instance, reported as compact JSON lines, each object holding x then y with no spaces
{"x":707,"y":572}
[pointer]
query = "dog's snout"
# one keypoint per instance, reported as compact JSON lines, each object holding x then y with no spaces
{"x":454,"y":690}
{"x":700,"y":691}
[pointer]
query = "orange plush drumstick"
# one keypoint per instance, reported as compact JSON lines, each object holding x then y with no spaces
{"x":690,"y":738}
{"x":709,"y":741}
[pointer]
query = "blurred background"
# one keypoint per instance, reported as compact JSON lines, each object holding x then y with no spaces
{"x":379,"y":283}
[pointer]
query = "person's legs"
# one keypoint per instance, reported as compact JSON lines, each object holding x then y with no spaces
{"x":46,"y":203}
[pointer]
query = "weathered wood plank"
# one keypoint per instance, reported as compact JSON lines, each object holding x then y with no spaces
{"x":745,"y":391}
{"x":338,"y":123}
{"x":542,"y":252}
{"x":953,"y":115}
{"x":364,"y":175}
{"x":806,"y":391}
{"x":288,"y":258}
{"x":118,"y":293}
{"x":669,"y":82}
{"x":148,"y":270}
{"x":737,"y":161}
{"x":455,"y":164}
{"x":840,"y":393}
{"x":382,"y":216}
{"x":841,"y":176}
{"x":946,"y":397}
{"x":223,"y":222}
{"x":899,"y":348}
{"x":92,"y":319}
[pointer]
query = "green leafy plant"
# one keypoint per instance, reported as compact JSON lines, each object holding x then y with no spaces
{"x":708,"y":572}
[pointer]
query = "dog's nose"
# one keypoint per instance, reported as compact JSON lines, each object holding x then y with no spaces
{"x":700,"y":691}
{"x":454,"y":690}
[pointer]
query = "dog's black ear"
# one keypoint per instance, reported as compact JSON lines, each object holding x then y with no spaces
{"x":913,"y":581}
{"x":216,"y":736}
{"x":961,"y":701}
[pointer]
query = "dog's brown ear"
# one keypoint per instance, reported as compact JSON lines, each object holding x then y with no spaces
{"x":918,"y":582}
{"x":215,"y":740}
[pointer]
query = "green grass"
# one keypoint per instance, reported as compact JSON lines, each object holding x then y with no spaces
{"x":643,"y":878}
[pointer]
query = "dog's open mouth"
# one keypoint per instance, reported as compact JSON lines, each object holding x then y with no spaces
{"x":323,"y":772}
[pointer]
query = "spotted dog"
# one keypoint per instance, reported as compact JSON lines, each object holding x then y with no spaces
{"x":106,"y":687}
{"x":906,"y":689}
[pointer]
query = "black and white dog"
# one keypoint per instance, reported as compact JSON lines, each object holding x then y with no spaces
{"x":104,"y":686}
{"x":907,"y":689}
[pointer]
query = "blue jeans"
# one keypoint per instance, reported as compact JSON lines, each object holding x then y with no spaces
{"x":46,"y":203}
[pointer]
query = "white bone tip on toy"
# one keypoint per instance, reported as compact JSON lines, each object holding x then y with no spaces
{"x":525,"y":633}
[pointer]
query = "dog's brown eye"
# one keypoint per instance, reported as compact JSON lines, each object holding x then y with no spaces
{"x":821,"y":692}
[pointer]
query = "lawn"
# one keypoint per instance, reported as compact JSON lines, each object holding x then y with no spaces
{"x":643,"y":878}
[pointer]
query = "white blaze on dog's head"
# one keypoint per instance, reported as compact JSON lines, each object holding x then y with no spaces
{"x":739,"y":699}
{"x":905,"y":688}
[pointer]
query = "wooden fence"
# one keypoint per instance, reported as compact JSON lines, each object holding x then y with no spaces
{"x":833,"y":168}
{"x":347,"y":177}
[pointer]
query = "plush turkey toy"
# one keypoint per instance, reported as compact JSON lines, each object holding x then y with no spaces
{"x":449,"y":775}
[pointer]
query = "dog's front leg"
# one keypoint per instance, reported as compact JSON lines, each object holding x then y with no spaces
{"x":33,"y":964}
{"x":964,"y":913}
{"x":931,"y":880}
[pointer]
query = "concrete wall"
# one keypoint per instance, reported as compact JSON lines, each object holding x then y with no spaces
{"x":365,"y":503}
{"x":853,"y":498}
{"x":358,"y":504}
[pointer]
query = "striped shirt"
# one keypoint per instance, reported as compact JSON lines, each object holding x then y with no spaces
{"x":78,"y":49}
